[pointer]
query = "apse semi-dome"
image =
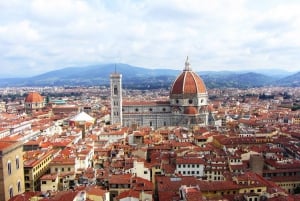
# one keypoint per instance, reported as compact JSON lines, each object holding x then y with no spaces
{"x":34,"y":97}
{"x":190,"y":110}
{"x":188,"y":82}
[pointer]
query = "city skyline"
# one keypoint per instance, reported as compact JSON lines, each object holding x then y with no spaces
{"x":41,"y":36}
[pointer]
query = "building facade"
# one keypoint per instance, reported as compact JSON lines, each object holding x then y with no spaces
{"x":116,"y":98}
{"x":11,"y":170}
{"x":187,"y":105}
{"x":36,"y":164}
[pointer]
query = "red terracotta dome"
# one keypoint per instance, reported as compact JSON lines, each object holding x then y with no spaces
{"x":190,"y":110}
{"x":188,"y":82}
{"x":34,"y":97}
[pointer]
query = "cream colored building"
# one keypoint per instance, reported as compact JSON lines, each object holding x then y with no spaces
{"x":36,"y":164}
{"x":49,"y":182}
{"x":11,"y":169}
{"x":140,"y":170}
{"x":62,"y":165}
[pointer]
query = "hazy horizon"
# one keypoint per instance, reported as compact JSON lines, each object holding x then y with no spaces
{"x":39,"y":36}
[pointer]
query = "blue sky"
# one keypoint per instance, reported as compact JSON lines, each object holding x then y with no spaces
{"x":38,"y":36}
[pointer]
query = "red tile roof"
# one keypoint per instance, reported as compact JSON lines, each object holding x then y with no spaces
{"x":95,"y":190}
{"x":120,"y":179}
{"x":4,"y":145}
{"x":128,"y":194}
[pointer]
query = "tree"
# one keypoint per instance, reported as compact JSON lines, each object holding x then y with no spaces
{"x":297,"y":190}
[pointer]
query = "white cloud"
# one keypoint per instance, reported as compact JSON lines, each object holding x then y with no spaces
{"x":229,"y":34}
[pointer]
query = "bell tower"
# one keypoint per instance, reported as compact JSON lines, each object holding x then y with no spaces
{"x":116,"y":98}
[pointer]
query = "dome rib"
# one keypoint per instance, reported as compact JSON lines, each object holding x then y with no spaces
{"x":188,"y":82}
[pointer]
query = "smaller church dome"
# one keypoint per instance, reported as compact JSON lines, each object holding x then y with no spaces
{"x":34,"y":97}
{"x":190,"y":110}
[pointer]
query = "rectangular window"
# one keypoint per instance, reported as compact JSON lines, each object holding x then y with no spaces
{"x":44,"y":182}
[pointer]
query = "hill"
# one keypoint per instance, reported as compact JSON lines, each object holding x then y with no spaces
{"x":236,"y":80}
{"x":143,"y":78}
{"x":292,"y":80}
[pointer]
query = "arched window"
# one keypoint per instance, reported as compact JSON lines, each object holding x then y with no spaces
{"x":11,"y":192}
{"x":190,"y":101}
{"x":9,"y":167}
{"x":19,"y":186}
{"x":17,"y":162}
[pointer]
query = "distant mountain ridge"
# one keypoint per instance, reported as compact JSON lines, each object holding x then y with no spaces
{"x":292,"y":80}
{"x":143,"y":78}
